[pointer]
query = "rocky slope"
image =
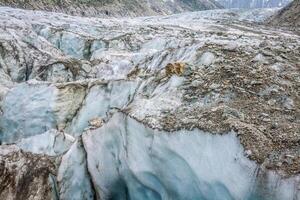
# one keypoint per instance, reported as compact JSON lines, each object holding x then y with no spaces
{"x":253,"y":3}
{"x":106,"y":8}
{"x":201,"y":105}
{"x":288,"y":16}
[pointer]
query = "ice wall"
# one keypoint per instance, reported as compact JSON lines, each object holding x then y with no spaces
{"x":34,"y":108}
{"x":130,"y":161}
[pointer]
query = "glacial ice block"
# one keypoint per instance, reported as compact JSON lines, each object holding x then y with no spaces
{"x":128,"y":160}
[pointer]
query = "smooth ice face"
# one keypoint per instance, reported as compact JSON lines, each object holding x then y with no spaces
{"x":126,"y":159}
{"x":73,"y":178}
{"x":27,"y":112}
{"x":33,"y":108}
{"x":51,"y":143}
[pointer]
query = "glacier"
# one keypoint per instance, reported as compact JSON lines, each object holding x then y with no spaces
{"x":253,"y":3}
{"x":200,"y":105}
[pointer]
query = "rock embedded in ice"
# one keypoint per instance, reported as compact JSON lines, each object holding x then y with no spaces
{"x":177,"y":68}
{"x":96,"y":122}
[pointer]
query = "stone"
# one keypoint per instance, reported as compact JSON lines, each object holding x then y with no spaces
{"x":96,"y":122}
{"x":175,"y":68}
{"x":196,"y":83}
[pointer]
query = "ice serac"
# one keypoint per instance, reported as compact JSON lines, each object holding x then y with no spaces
{"x":128,"y":160}
{"x":108,"y":95}
{"x":73,"y":178}
{"x":51,"y":143}
{"x":35,"y":116}
{"x":44,"y":106}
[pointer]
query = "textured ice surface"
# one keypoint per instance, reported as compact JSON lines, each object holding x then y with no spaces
{"x":51,"y":143}
{"x":154,"y":98}
{"x":100,"y":100}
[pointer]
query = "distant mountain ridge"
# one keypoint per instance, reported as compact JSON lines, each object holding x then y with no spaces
{"x":253,"y":3}
{"x":114,"y":7}
{"x":288,"y":16}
